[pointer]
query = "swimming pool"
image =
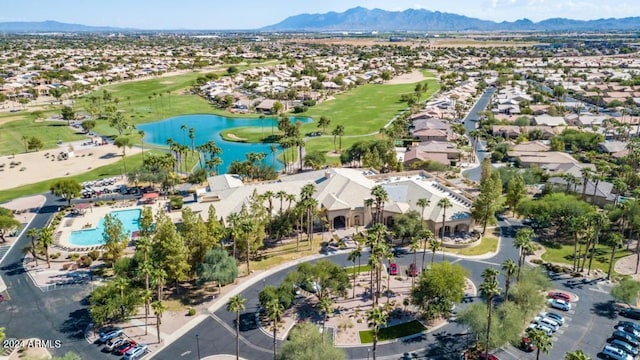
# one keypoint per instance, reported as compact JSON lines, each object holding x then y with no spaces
{"x":91,"y":237}
{"x":208,"y":127}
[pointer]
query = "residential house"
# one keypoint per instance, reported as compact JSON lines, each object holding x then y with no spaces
{"x":439,"y":151}
{"x":430,"y":129}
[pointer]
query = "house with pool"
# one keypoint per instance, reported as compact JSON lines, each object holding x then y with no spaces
{"x":341,"y":194}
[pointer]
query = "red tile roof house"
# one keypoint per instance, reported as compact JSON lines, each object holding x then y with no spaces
{"x":431,"y":129}
{"x":438,"y":151}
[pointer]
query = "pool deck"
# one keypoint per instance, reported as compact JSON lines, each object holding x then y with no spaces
{"x":88,"y":220}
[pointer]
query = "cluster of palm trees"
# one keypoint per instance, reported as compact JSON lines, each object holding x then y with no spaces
{"x":41,"y":240}
{"x":212,"y":158}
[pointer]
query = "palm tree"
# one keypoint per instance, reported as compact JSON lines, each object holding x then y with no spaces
{"x":576,"y":355}
{"x":489,"y":289}
{"x":434,"y":244}
{"x":158,"y":310}
{"x":323,"y":123}
{"x":45,"y":238}
{"x":339,"y":132}
{"x":353,"y":256}
{"x":326,"y":306}
{"x":158,"y":278}
{"x":422,"y":203}
{"x":123,"y":142}
{"x":598,"y":221}
{"x":414,"y":246}
{"x":141,"y":133}
{"x":192,"y":136}
{"x":509,"y":267}
{"x":427,"y":236}
{"x":541,"y":341}
{"x":444,"y":204}
{"x":144,"y":245}
{"x":274,"y":311}
{"x":236,"y":305}
{"x":522,"y":241}
{"x":586,"y":176}
{"x":183,"y":127}
{"x":32,"y":234}
{"x":380,"y":196}
{"x":616,"y":242}
{"x":376,"y":318}
{"x":280,"y":195}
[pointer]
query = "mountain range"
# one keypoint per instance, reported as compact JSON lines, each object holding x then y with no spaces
{"x":362,"y":19}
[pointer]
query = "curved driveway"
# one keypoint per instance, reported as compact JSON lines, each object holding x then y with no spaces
{"x":217,"y":333}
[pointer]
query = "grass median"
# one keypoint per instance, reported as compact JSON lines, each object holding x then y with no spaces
{"x":393,"y":332}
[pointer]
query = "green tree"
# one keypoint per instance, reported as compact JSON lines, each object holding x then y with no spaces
{"x":489,"y":290}
{"x":169,"y":251}
{"x":626,"y":291}
{"x":9,"y":223}
{"x":34,"y":143}
{"x":323,"y":123}
{"x":438,"y":289}
{"x":443,"y":204}
{"x":326,"y":307}
{"x":123,"y":142}
{"x":66,"y":188}
{"x":338,"y":132}
{"x":516,"y":191}
{"x":576,"y":355}
{"x":423,"y":203}
{"x":158,"y":310}
{"x":353,"y":256}
{"x":118,"y":122}
{"x":376,"y":318}
{"x":616,"y":242}
{"x":32,"y":234}
{"x":236,"y":304}
{"x":274,"y":311}
{"x":45,"y":240}
{"x":68,"y":114}
{"x":541,"y":341}
{"x":487,"y":202}
{"x":510,"y":268}
{"x":522,"y":242}
{"x":217,"y":266}
{"x":115,"y":238}
{"x":306,"y":343}
{"x":88,"y":125}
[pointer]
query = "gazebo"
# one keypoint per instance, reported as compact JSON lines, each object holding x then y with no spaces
{"x":81,"y":208}
{"x":150,"y":198}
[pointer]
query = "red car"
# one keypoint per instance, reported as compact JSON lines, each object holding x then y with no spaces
{"x":413,"y":270}
{"x":491,"y":357}
{"x":125,"y":347}
{"x":526,"y":345}
{"x":393,"y":269}
{"x":559,"y":296}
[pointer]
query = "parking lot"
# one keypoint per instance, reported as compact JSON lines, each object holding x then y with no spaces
{"x":588,"y":324}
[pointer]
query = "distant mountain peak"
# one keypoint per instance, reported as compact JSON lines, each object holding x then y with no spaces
{"x":360,"y":18}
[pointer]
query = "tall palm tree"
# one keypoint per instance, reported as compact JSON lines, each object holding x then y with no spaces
{"x":123,"y":142}
{"x":422,"y":203}
{"x":434,"y":244}
{"x":444,"y":204}
{"x":280,"y":195}
{"x":274,"y":311}
{"x":192,"y":137}
{"x":45,"y":238}
{"x":489,"y":289}
{"x":541,"y":341}
{"x":141,"y":133}
{"x":414,"y":246}
{"x":380,"y":196}
{"x":353,"y":256}
{"x":236,"y":305}
{"x":509,"y":267}
{"x":376,"y":318}
{"x":522,"y":241}
{"x":158,"y":279}
{"x":616,"y":242}
{"x":427,"y":236}
{"x":144,"y":245}
{"x":339,"y":132}
{"x":158,"y":310}
{"x":598,"y":222}
{"x":586,"y":176}
{"x":183,"y":127}
{"x":32,"y":234}
{"x":326,"y":307}
{"x":576,"y":355}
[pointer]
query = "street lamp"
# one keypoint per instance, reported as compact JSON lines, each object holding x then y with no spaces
{"x":198,"y":345}
{"x":368,"y":353}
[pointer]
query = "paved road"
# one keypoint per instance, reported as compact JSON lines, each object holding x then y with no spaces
{"x":470,"y":124}
{"x":59,"y":314}
{"x":217,"y":333}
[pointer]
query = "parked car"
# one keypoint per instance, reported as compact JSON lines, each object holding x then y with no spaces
{"x":393,"y":269}
{"x":559,"y":304}
{"x":489,"y":357}
{"x":553,"y":316}
{"x":630,"y":324}
{"x":631,"y":313}
{"x":128,"y":345}
{"x":113,"y":343}
{"x":109,"y":335}
{"x":526,"y":344}
{"x":621,"y":335}
{"x":413,"y":270}
{"x":553,"y":325}
{"x":612,"y":352}
{"x":560,"y":296}
{"x":135,"y":353}
{"x":547,"y":330}
{"x":633,"y":351}
{"x":628,"y":329}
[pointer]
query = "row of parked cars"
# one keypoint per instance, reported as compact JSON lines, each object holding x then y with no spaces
{"x":624,"y":343}
{"x":117,"y":343}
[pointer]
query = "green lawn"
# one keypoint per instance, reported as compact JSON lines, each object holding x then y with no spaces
{"x":363,"y":268}
{"x":564,"y":254}
{"x":393,"y":332}
{"x":488,"y":244}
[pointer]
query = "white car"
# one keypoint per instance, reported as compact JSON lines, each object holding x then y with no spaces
{"x":548,"y":322}
{"x":553,"y":316}
{"x":547,"y":330}
{"x":559,"y":304}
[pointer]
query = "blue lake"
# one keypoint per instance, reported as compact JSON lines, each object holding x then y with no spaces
{"x":208,"y":127}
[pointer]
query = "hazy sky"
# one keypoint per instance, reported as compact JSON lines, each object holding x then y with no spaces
{"x":251,"y":14}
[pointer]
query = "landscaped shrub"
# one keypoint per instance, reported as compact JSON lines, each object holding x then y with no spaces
{"x":537,"y":261}
{"x":94,"y":254}
{"x":192,"y":311}
{"x":73,"y":256}
{"x":176,"y":202}
{"x":54,"y":256}
{"x":84,"y":261}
